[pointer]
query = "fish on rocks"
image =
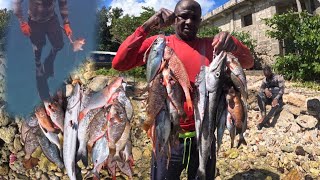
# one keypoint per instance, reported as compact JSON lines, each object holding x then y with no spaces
{"x":155,"y":57}
{"x":125,"y":101}
{"x":44,"y":120}
{"x":70,"y":132}
{"x":53,"y":138}
{"x":97,"y":128}
{"x":102,"y":97}
{"x":55,"y":112}
{"x":100,"y":153}
{"x":50,"y":150}
{"x":83,"y":136}
{"x":117,"y":124}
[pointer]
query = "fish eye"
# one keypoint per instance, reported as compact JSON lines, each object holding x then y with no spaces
{"x":217,"y":74}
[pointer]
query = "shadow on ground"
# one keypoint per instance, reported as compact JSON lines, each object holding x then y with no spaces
{"x":256,"y":174}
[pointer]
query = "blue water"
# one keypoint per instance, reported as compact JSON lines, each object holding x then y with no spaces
{"x":21,"y":92}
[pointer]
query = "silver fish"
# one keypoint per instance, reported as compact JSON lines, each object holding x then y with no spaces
{"x":50,"y":150}
{"x":221,"y":121}
{"x":155,"y":57}
{"x":125,"y":101}
{"x":83,"y":136}
{"x":163,"y":128}
{"x":200,"y":101}
{"x":70,"y":132}
{"x":53,"y":138}
{"x":214,"y":77}
{"x":100,"y":153}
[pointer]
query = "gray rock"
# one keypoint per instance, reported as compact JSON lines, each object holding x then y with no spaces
{"x":7,"y":134}
{"x":307,"y":121}
{"x":16,"y":144}
{"x":98,"y":83}
{"x":313,"y":106}
{"x":285,"y":118}
{"x":288,"y":149}
{"x":292,"y":109}
{"x":294,"y":127}
{"x":4,"y":117}
{"x":300,"y":151}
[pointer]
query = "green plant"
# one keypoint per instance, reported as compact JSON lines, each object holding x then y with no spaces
{"x":246,"y":39}
{"x":300,"y":33}
{"x":208,"y":31}
{"x":138,"y":72}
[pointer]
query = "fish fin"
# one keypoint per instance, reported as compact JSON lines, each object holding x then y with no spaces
{"x":117,"y":157}
{"x":82,"y":114}
{"x":82,"y":156}
{"x":241,"y":141}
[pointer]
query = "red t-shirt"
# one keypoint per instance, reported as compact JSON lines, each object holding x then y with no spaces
{"x":193,"y":55}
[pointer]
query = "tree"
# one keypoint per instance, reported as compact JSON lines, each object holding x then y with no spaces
{"x":301,"y":32}
{"x":208,"y":31}
{"x":124,"y":26}
{"x":105,"y":18}
{"x":4,"y":21}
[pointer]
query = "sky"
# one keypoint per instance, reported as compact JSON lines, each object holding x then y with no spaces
{"x":127,"y":5}
{"x":5,"y":4}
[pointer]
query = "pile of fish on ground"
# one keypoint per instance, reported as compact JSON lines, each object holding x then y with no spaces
{"x":88,"y":124}
{"x":219,"y":100}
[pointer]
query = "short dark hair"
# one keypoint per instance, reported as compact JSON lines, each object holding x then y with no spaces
{"x":195,"y":3}
{"x":267,"y":69}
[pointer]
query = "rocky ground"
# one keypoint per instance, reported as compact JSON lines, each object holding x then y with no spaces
{"x":290,"y":149}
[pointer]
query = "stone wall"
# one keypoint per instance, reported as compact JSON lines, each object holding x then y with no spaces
{"x":229,"y":17}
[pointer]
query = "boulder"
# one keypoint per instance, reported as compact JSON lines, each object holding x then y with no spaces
{"x":98,"y":83}
{"x":307,"y":121}
{"x":295,"y":99}
{"x":313,"y":106}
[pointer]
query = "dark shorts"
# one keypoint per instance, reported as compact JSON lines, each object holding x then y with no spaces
{"x":159,"y":170}
{"x":51,"y":29}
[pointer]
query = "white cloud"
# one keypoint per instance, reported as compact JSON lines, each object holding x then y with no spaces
{"x":5,"y":4}
{"x":133,"y":7}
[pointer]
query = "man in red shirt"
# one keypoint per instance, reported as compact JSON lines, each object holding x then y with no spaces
{"x":193,"y":52}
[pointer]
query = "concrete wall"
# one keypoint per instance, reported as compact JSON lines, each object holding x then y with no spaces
{"x":229,"y":17}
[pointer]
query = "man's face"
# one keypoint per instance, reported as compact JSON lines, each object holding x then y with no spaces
{"x":267,"y":74}
{"x":188,"y":18}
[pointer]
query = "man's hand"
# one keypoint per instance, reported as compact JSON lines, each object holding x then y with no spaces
{"x":162,"y":18}
{"x":268,"y":93}
{"x":223,"y":41}
{"x":25,"y":28}
{"x":275,"y":102}
{"x":67,"y":30}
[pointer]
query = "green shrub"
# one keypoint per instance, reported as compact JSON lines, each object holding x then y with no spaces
{"x":246,"y":39}
{"x":301,"y":34}
{"x":138,"y":72}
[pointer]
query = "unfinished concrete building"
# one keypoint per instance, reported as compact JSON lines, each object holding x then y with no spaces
{"x":247,"y":15}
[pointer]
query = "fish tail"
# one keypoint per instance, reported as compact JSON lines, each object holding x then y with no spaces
{"x":188,"y":98}
{"x":81,"y":155}
{"x":241,"y":141}
{"x":96,"y":175}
